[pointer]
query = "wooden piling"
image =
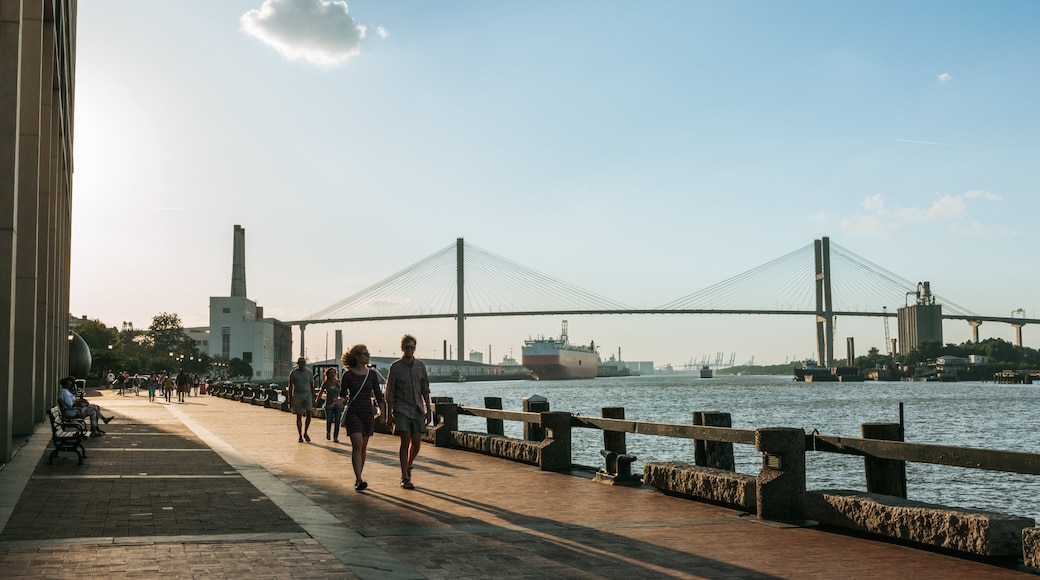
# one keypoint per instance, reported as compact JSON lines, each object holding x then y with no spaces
{"x":884,"y":476}
{"x":614,"y":440}
{"x":494,"y":426}
{"x":716,"y":454}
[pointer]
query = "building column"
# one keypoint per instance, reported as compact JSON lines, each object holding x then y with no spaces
{"x":26,"y":324}
{"x":10,"y":56}
{"x":46,"y":389}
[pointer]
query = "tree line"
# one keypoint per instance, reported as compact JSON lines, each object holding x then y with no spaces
{"x":163,"y":346}
{"x":1000,"y":355}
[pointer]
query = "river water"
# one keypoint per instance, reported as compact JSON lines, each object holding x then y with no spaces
{"x":968,"y":414}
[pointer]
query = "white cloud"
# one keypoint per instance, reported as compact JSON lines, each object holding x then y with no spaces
{"x":945,"y":78}
{"x":979,"y":194}
{"x":319,"y":31}
{"x":947,"y":206}
{"x":863,"y":225}
{"x":874,"y":203}
{"x":382,"y":32}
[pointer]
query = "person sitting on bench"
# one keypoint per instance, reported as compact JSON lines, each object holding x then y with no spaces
{"x":72,"y":407}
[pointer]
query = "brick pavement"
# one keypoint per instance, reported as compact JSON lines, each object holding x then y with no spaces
{"x":218,"y":489}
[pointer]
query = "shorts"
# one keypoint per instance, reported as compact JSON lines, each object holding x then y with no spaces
{"x":404,"y":424}
{"x":302,"y":406}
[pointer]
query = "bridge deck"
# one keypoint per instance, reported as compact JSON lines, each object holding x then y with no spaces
{"x":213,"y":488}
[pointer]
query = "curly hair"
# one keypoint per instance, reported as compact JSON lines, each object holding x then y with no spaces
{"x":350,"y":358}
{"x":408,"y":337}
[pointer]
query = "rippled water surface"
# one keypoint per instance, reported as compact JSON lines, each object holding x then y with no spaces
{"x":969,"y":414}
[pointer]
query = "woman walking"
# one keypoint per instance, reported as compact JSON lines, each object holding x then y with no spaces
{"x":359,"y":386}
{"x":333,"y":404}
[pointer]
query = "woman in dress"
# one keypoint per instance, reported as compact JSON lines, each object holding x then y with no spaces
{"x":333,"y":404}
{"x":359,"y":386}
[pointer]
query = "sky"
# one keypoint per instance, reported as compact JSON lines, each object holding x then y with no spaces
{"x":642,"y":152}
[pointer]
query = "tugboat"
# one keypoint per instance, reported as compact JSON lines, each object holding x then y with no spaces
{"x":811,"y":372}
{"x":706,"y":372}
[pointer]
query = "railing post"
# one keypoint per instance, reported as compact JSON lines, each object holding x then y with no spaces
{"x":780,"y":486}
{"x":534,"y":404}
{"x":614,"y":440}
{"x":555,"y":453}
{"x":494,"y":426}
{"x":884,"y":476}
{"x":446,"y":421}
{"x":716,"y":454}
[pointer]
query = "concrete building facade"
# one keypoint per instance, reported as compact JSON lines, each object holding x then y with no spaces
{"x":37,"y":94}
{"x":238,"y":329}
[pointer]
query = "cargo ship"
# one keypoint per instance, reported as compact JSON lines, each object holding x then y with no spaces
{"x":551,"y":359}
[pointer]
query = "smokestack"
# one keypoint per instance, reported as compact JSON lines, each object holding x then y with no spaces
{"x":238,"y":263}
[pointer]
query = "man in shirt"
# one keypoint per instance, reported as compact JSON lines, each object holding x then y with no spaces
{"x":301,"y":397}
{"x":74,"y":408}
{"x":408,"y":405}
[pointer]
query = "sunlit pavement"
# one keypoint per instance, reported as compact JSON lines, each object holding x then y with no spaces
{"x":212,"y":488}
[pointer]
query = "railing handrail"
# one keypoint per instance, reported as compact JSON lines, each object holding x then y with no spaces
{"x":968,"y":457}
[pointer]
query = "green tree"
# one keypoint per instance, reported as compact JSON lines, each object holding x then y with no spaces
{"x":105,"y":349}
{"x":240,"y":368}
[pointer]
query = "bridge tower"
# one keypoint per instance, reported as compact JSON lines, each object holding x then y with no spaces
{"x":824,"y":306}
{"x":460,"y":293}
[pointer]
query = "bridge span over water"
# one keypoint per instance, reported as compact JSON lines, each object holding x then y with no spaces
{"x":822,"y":280}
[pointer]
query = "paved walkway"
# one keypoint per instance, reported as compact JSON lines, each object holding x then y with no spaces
{"x":213,"y":488}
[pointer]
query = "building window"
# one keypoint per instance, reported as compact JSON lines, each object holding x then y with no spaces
{"x":226,"y":310}
{"x":225,"y":342}
{"x":248,"y":357}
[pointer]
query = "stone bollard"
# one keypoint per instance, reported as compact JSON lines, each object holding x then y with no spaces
{"x":714,"y":454}
{"x":445,"y":423}
{"x":534,"y":404}
{"x":555,"y":454}
{"x":780,"y":486}
{"x":884,"y":476}
{"x":494,"y":426}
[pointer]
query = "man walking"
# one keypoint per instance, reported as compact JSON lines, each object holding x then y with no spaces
{"x":408,"y":405}
{"x":301,"y":397}
{"x":182,"y":385}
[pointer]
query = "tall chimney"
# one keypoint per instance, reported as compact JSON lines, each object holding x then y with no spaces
{"x":238,"y":263}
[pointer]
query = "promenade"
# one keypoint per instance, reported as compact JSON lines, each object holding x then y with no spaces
{"x":214,"y":488}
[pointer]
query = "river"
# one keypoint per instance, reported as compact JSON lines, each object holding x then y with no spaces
{"x":968,"y":414}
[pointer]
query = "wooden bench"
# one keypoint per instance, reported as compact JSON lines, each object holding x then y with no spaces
{"x":67,"y":434}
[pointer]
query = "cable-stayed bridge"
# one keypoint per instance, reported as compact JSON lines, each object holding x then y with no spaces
{"x":462,"y":280}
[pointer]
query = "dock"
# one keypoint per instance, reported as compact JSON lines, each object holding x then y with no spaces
{"x":212,"y":488}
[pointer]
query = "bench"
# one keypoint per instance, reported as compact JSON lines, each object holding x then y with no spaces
{"x":67,"y":434}
{"x":716,"y":486}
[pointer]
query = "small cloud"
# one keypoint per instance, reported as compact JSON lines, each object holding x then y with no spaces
{"x":911,"y":214}
{"x":862,"y":225}
{"x":945,"y":78}
{"x":382,"y":32}
{"x":874,"y":202}
{"x":979,"y":194}
{"x":319,"y":31}
{"x":947,"y":206}
{"x":919,"y":142}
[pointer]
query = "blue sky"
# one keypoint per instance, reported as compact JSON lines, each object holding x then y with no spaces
{"x":642,"y":152}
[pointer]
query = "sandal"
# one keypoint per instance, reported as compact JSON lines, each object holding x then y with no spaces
{"x":360,"y":485}
{"x":407,"y":484}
